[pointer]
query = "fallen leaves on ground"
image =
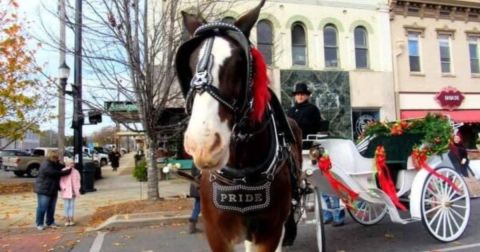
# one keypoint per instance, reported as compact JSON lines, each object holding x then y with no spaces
{"x":10,"y":188}
{"x":139,"y":206}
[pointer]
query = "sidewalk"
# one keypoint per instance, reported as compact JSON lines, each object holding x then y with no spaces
{"x":18,"y":210}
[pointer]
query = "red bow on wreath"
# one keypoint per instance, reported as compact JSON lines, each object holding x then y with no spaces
{"x":346,"y":194}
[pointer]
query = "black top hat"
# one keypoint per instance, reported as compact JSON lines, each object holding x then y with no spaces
{"x":301,"y":88}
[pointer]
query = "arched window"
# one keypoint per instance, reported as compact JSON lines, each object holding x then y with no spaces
{"x":331,"y":45}
{"x":230,"y":20}
{"x":299,"y":45}
{"x":361,"y":47}
{"x":265,"y":39}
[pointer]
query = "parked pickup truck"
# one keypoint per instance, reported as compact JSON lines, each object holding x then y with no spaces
{"x":27,"y":164}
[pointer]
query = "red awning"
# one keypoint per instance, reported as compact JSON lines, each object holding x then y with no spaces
{"x":466,"y":116}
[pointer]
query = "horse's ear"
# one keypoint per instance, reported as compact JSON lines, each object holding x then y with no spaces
{"x":246,"y":22}
{"x":192,"y":22}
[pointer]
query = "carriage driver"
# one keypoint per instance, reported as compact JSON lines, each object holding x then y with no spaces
{"x":308,"y":118}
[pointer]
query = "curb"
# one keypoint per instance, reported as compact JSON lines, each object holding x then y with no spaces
{"x":136,"y":219}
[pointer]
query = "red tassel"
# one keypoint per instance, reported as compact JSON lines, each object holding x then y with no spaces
{"x":346,"y":194}
{"x":260,"y":93}
{"x":385,"y":179}
{"x":419,"y":157}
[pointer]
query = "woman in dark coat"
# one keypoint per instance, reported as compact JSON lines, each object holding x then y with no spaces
{"x":194,"y":193}
{"x":115,"y":159}
{"x":47,"y":186}
{"x":458,"y":155}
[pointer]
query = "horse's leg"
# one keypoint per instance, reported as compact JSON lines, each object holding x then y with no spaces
{"x":217,"y":241}
{"x":249,"y":246}
{"x":279,"y":246}
{"x":271,"y":244}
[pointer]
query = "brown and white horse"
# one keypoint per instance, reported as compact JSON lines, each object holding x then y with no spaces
{"x":245,"y":148}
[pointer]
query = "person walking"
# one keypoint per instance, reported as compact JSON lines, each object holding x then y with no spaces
{"x":308,"y":118}
{"x":70,"y":190}
{"x":115,"y":159}
{"x":194,"y":193}
{"x":47,"y":186}
{"x":458,"y":155}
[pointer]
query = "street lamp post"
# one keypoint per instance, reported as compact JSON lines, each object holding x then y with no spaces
{"x":77,"y":96}
{"x":63,"y":74}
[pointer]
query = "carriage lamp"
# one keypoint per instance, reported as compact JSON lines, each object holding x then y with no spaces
{"x":309,"y":172}
{"x":315,"y":152}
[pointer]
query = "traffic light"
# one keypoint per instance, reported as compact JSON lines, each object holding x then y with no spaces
{"x":94,"y":116}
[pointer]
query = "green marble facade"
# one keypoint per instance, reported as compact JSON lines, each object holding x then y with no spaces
{"x":330,"y":92}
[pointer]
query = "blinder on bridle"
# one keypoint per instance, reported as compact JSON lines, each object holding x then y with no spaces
{"x":201,"y":80}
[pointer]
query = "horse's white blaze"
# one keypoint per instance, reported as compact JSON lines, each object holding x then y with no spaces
{"x":205,"y":123}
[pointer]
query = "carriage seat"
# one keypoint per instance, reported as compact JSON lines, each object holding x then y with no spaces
{"x":397,"y":148}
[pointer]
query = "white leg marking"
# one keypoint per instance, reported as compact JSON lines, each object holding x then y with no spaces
{"x":249,"y":246}
{"x":279,"y":246}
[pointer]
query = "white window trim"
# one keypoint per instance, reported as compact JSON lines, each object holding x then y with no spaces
{"x":419,"y":35}
{"x":450,"y":54}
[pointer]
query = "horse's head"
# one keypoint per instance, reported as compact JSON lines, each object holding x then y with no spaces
{"x":216,"y":71}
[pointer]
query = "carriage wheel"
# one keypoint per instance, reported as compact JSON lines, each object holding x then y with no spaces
{"x":445,"y":211}
{"x":319,"y":221}
{"x":367,"y":213}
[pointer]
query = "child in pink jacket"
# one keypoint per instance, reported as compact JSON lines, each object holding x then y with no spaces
{"x":70,"y":189}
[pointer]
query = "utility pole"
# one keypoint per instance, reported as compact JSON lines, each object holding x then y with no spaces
{"x":63,"y":81}
{"x":77,"y":96}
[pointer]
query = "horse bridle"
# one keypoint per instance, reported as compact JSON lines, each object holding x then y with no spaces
{"x":202,"y":80}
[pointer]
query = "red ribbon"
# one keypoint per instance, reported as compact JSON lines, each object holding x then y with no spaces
{"x":346,"y":194}
{"x":384,"y":178}
{"x":419,"y":157}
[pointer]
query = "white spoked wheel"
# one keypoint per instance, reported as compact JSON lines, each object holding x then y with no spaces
{"x":367,"y":213}
{"x":319,"y":221}
{"x":445,"y":211}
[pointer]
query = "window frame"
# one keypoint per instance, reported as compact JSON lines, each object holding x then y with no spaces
{"x":303,"y":45}
{"x":329,"y":47}
{"x":475,"y":40}
{"x":418,"y":49}
{"x":445,"y":38}
{"x":266,"y":43}
{"x":361,"y":47}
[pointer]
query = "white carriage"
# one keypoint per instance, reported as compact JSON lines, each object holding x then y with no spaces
{"x":443,"y":210}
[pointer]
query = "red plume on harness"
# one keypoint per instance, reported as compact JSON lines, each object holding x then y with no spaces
{"x":260,"y":93}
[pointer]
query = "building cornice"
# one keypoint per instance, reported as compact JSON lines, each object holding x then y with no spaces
{"x":444,"y":9}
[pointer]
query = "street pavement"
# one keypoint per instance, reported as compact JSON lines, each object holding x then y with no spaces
{"x":17,"y":211}
{"x":166,"y":232}
{"x":385,"y":236}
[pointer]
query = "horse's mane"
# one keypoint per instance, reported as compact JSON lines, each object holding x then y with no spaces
{"x":260,"y":93}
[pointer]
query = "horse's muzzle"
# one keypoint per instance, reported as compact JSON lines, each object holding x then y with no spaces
{"x":208,"y":152}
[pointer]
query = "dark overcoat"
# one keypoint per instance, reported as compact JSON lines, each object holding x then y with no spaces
{"x":48,"y":180}
{"x":307,"y":117}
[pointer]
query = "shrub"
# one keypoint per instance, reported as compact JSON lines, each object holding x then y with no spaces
{"x":140,"y":171}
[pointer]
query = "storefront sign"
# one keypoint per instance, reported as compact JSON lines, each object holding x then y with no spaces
{"x":449,"y":98}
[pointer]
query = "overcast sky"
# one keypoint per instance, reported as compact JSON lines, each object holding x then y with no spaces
{"x":37,"y":11}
